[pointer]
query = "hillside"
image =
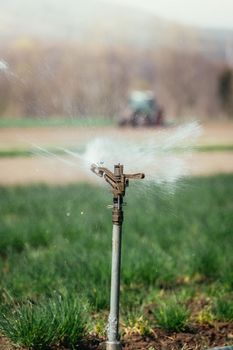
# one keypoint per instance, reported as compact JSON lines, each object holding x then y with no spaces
{"x":96,"y":21}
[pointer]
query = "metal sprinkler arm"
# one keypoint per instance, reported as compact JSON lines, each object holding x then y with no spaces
{"x":117,"y":180}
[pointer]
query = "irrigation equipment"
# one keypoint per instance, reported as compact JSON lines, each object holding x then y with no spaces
{"x":118,"y":181}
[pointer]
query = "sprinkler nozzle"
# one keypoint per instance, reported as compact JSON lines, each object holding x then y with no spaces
{"x":96,"y":170}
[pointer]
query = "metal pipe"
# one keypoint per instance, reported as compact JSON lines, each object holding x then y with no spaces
{"x":113,"y":342}
{"x":118,"y":181}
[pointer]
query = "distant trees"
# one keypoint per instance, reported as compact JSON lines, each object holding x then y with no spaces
{"x":225,"y":90}
{"x":187,"y":82}
{"x":65,"y":79}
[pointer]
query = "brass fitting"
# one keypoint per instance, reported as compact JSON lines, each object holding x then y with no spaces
{"x":117,"y":212}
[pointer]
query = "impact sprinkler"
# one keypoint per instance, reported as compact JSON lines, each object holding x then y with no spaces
{"x":118,"y":181}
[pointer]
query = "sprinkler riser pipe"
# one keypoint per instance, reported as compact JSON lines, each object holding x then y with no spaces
{"x":118,"y":182}
{"x":113,"y":320}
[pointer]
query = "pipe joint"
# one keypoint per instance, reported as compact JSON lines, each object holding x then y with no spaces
{"x":117,"y":216}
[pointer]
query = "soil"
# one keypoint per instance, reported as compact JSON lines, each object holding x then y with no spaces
{"x":196,"y":338}
{"x":5,"y":344}
{"x":213,"y":133}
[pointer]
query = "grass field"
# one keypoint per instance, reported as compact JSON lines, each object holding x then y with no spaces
{"x":54,"y":122}
{"x":55,"y":248}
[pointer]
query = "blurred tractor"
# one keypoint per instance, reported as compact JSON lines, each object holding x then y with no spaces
{"x":142,"y":110}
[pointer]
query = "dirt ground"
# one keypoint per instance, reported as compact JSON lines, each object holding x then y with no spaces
{"x":196,"y":338}
{"x":22,"y":170}
{"x":213,"y":133}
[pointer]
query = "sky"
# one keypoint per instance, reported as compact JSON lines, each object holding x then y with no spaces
{"x":204,"y":13}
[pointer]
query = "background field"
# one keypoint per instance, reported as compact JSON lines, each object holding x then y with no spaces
{"x":181,"y":247}
{"x":22,"y":163}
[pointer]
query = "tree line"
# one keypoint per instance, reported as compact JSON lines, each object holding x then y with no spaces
{"x":78,"y":80}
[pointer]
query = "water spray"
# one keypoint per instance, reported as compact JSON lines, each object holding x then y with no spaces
{"x":118,"y":182}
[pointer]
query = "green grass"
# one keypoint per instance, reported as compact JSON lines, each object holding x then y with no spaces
{"x":223,"y":308}
{"x":214,"y":148}
{"x":60,"y":321}
{"x":55,"y":122}
{"x":58,"y":240}
{"x":17,"y":152}
{"x":172,"y":314}
{"x":6,"y":153}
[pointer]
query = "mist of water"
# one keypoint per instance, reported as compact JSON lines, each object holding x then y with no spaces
{"x":162,"y":158}
{"x":4,"y":66}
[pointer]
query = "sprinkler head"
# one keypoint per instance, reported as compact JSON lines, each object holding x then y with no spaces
{"x":117,"y":180}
